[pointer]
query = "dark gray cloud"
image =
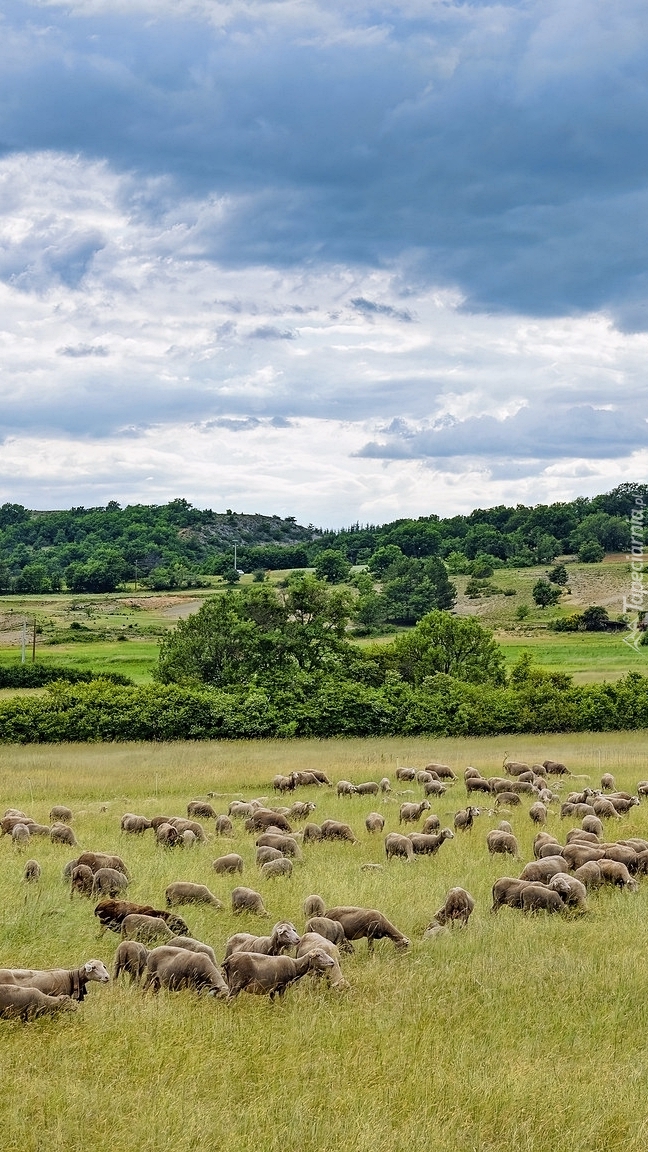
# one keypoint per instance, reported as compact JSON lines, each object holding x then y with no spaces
{"x":369,"y":308}
{"x":269,"y":332}
{"x":79,"y":351}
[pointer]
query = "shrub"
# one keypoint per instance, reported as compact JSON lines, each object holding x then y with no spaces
{"x":544,"y":594}
{"x":591,"y":552}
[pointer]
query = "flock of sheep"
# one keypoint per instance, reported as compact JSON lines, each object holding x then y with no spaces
{"x":157,"y":949}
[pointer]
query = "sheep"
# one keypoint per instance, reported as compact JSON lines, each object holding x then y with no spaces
{"x":411,"y":813}
{"x":264,"y":818}
{"x":224,"y":826}
{"x":555,"y":768}
{"x":374,"y":822}
{"x":274,"y":868}
{"x":499,"y":841}
{"x":271,"y":975}
{"x":39,"y":829}
{"x":500,"y":784}
{"x":247,"y":900}
{"x":28,"y":1003}
{"x":313,"y":906}
{"x":607,"y":782}
{"x":369,"y":788}
{"x":540,"y":840}
{"x":406,"y":773}
{"x":511,"y":799}
{"x":522,"y":788}
{"x":16,"y":812}
{"x":589,"y":874}
{"x":175,"y":968}
{"x":477,"y":784}
{"x":239,"y":809}
{"x":442,"y":771}
{"x":32,"y":871}
{"x":385,"y":785}
{"x":331,"y":930}
{"x":472,"y":773}
{"x":188,"y":838}
{"x":284,"y":935}
{"x":435,"y":788}
{"x":58,"y":981}
{"x":463,"y":820}
{"x":181,"y":824}
{"x":135,"y":825}
{"x":334,"y":830}
{"x":108,"y":882}
{"x":62,"y":834}
{"x":230,"y":863}
{"x":287,"y":845}
{"x":266,"y":853}
{"x":592,"y":824}
{"x":458,"y":906}
{"x":624,"y":853}
{"x":508,"y":890}
{"x":201,"y":809}
{"x":313,"y":776}
{"x":538,"y":813}
{"x":552,"y":849}
{"x":426,"y":844}
{"x":283,"y":783}
{"x":59,"y":814}
{"x":20,"y":835}
{"x":311,"y":940}
{"x":97,"y":860}
{"x":301,"y":809}
{"x":504,"y":826}
{"x":431,"y":824}
{"x":369,"y":922}
{"x":130,"y":957}
{"x":572,"y":891}
{"x":111,"y":914}
{"x":604,"y":808}
{"x":145,"y":928}
{"x":582,"y":837}
{"x":191,"y":945}
{"x":514,"y":767}
{"x":577,"y":853}
{"x":541,"y":871}
{"x":311,"y":832}
{"x":613,"y":872}
{"x":623,"y":805}
{"x":538,"y":897}
{"x":345,"y":788}
{"x":167,"y":835}
{"x":82,"y":879}
{"x":181,"y":892}
{"x":8,"y":823}
{"x":397,"y":845}
{"x":642,"y":788}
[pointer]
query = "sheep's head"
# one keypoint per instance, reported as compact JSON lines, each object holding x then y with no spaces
{"x":447,"y":834}
{"x":286,"y":934}
{"x":319,"y":960}
{"x":96,"y":970}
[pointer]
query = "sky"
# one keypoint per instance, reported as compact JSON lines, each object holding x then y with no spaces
{"x":337,"y":261}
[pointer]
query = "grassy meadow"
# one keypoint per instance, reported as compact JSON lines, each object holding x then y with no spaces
{"x":518,"y":1033}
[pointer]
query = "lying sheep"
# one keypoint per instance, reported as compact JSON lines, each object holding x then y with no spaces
{"x":176,"y":968}
{"x":230,"y":863}
{"x":28,"y":1003}
{"x":284,"y":935}
{"x":108,"y":882}
{"x":82,"y":879}
{"x":397,"y":845}
{"x":571,"y":890}
{"x":499,"y":841}
{"x":331,"y":930}
{"x":247,"y":900}
{"x":191,"y":945}
{"x":426,"y":844}
{"x":130,"y":957}
{"x":313,"y":906}
{"x":181,"y":892}
{"x":374,"y":822}
{"x":147,"y":929}
{"x":62,"y":834}
{"x":274,"y":868}
{"x":58,"y":981}
{"x":312,"y":940}
{"x":458,"y":906}
{"x":411,"y":813}
{"x":334,"y":830}
{"x":59,"y":814}
{"x":32,"y":871}
{"x":360,"y":922}
{"x":271,"y":975}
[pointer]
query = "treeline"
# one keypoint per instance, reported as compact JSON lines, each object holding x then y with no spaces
{"x":177,"y":546}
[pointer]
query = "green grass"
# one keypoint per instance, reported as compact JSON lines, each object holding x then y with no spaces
{"x":515,"y":1034}
{"x":588,"y":656}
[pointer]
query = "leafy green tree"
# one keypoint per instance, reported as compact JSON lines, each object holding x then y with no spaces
{"x":415,"y":538}
{"x":370,"y":611}
{"x":558,"y":575}
{"x":412,"y":588}
{"x":101,"y":574}
{"x":332,"y":566}
{"x":458,"y":564}
{"x":547,"y":548}
{"x":36,"y":578}
{"x":522,"y":611}
{"x":591,"y":552}
{"x":231,"y":576}
{"x":544,"y":595}
{"x":458,"y":647}
{"x":595,"y":618}
{"x":383,"y":559}
{"x":611,"y":532}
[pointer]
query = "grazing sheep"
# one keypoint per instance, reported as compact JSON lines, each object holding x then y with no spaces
{"x":183,"y":825}
{"x":62,"y":834}
{"x":538,"y":813}
{"x":28,"y":1003}
{"x":426,"y":844}
{"x":39,"y":829}
{"x":311,"y":832}
{"x":478,"y":784}
{"x":9,"y":822}
{"x":411,"y":813}
{"x":443,"y":771}
{"x":607,"y":782}
{"x":435,"y":788}
{"x":397,"y":845}
{"x":311,"y":940}
{"x":301,"y":809}
{"x":176,"y":968}
{"x":540,"y":840}
{"x":345,"y":788}
{"x":541,"y":871}
{"x":130,"y":957}
{"x":247,"y":900}
{"x":271,"y":975}
{"x":97,"y":860}
{"x":463,"y":820}
{"x":58,"y":981}
{"x":510,"y":799}
{"x":266,"y":853}
{"x":504,"y":826}
{"x":555,"y":768}
{"x":82,"y":879}
{"x":136,"y":825}
{"x":623,"y":853}
{"x":508,"y":890}
{"x":313,"y":776}
{"x":274,"y":868}
{"x":499,"y":841}
{"x":360,"y":922}
{"x":578,"y":853}
{"x":167,"y":835}
{"x":145,"y":928}
{"x":458,"y":906}
{"x":20,"y":835}
{"x":552,"y":849}
{"x":192,"y":945}
{"x":431,"y":824}
{"x":592,"y":824}
{"x":265,"y":818}
{"x":287,"y":845}
{"x":385,"y":785}
{"x":224,"y":826}
{"x":334,"y":830}
{"x":284,"y":935}
{"x":313,"y":906}
{"x":540,"y":898}
{"x":188,"y":838}
{"x":572,"y":891}
{"x":369,"y":788}
{"x":582,"y":837}
{"x":472,"y":773}
{"x":32,"y":871}
{"x":59,"y":814}
{"x":240,"y":809}
{"x":406,"y":773}
{"x":515,"y":767}
{"x":331,"y":930}
{"x":230,"y":863}
{"x":108,"y":882}
{"x":604,"y":808}
{"x":112,"y":913}
{"x":613,"y":872}
{"x":283,"y":783}
{"x":201,"y":809}
{"x":642,"y":788}
{"x":589,"y":874}
{"x":374,"y":822}
{"x":623,"y":805}
{"x":181,"y":892}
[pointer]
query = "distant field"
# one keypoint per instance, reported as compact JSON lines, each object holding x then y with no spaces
{"x":588,"y":656}
{"x":515,"y":1033}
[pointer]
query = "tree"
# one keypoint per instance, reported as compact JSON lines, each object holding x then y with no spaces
{"x":611,"y":532}
{"x":547,"y":548}
{"x":370,"y":610}
{"x":231,"y":576}
{"x":544,"y":595}
{"x":412,"y":588}
{"x":333,"y":566}
{"x":558,"y":575}
{"x":595,"y":618}
{"x":101,"y":574}
{"x":458,"y":647}
{"x":415,"y":538}
{"x":591,"y":552}
{"x":383,"y":558}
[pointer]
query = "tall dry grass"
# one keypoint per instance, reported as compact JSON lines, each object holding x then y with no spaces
{"x":516,"y":1034}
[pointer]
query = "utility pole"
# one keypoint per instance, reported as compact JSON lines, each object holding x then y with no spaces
{"x":34,"y":643}
{"x":136,"y":575}
{"x":24,"y":641}
{"x":235,"y":568}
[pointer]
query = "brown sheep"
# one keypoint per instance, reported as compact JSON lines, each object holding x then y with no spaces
{"x":247,"y":900}
{"x":406,"y":773}
{"x":385,"y":785}
{"x":477,"y":784}
{"x":443,"y":771}
{"x":613,"y":872}
{"x":271,"y":975}
{"x":167,"y":835}
{"x":301,"y":809}
{"x":230,"y":863}
{"x":374,"y":822}
{"x":642,"y":788}
{"x":191,"y":945}
{"x":504,"y":826}
{"x":97,"y":860}
{"x":265,"y":853}
{"x":273,"y":868}
{"x":538,"y":813}
{"x":472,"y":773}
{"x":540,"y":898}
{"x":20,"y":835}
{"x":145,"y":928}
{"x":553,"y":849}
{"x":284,"y":935}
{"x":313,"y":776}
{"x":108,"y":882}
{"x":509,"y":799}
{"x":572,"y":891}
{"x":581,"y":837}
{"x":287,"y":845}
{"x":508,"y":890}
{"x":39,"y":829}
{"x":111,"y":914}
{"x":9,"y":823}
{"x":313,"y":906}
{"x":360,"y":922}
{"x":311,"y":940}
{"x":589,"y":874}
{"x":397,"y":845}
{"x":541,"y":871}
{"x":201,"y":809}
{"x":464,"y":818}
{"x":28,"y":1003}
{"x":181,"y":892}
{"x":411,"y":813}
{"x":369,"y":788}
{"x":62,"y":834}
{"x":345,"y":788}
{"x":592,"y":824}
{"x":578,"y":853}
{"x":311,"y":832}
{"x":82,"y":879}
{"x":58,"y":981}
{"x":435,"y":788}
{"x":622,"y":804}
{"x":176,"y":968}
{"x":426,"y":844}
{"x":540,"y":840}
{"x":607,"y":782}
{"x":59,"y":814}
{"x":223,"y":826}
{"x":458,"y":906}
{"x":623,"y":853}
{"x":431,"y":824}
{"x":130,"y":957}
{"x":264,"y":818}
{"x":181,"y":824}
{"x":136,"y":825}
{"x":331,"y":930}
{"x":283,"y":783}
{"x":555,"y":768}
{"x":240,"y":809}
{"x":32,"y":871}
{"x":604,"y":808}
{"x":498,"y":841}
{"x":515,"y":767}
{"x":334,"y":830}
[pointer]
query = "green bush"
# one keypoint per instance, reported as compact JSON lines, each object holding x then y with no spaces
{"x":591,"y":552}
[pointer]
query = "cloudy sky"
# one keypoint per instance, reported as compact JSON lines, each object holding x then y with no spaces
{"x":339,"y":261}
